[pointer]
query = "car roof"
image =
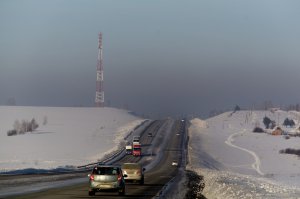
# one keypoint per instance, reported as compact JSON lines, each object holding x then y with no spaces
{"x":107,"y":166}
{"x":131,"y":163}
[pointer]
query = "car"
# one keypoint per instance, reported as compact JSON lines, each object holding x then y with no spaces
{"x":134,"y":172}
{"x":150,"y":135}
{"x":106,"y":178}
{"x":174,"y":163}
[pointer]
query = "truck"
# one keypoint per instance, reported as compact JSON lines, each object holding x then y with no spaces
{"x":136,"y":139}
{"x":137,"y":149}
{"x":128,"y":149}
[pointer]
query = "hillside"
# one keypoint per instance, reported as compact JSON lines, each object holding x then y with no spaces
{"x":65,"y":137}
{"x":237,"y":163}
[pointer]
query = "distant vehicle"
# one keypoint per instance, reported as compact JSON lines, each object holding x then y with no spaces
{"x":136,"y":139}
{"x":134,"y":172}
{"x":107,"y":178}
{"x":150,"y":135}
{"x":137,"y":149}
{"x":174,"y":163}
{"x":128,"y":149}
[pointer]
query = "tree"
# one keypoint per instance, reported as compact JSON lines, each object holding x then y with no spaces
{"x":24,"y":127}
{"x":267,"y":122}
{"x":288,"y":122}
{"x":45,"y":120}
{"x":237,"y":108}
{"x":272,"y":124}
{"x":292,"y":123}
{"x":17,"y":126}
{"x":33,"y":125}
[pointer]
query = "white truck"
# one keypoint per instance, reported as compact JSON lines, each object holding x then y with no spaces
{"x":136,"y":139}
{"x":128,"y":149}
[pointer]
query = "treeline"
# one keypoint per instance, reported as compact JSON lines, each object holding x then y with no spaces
{"x":23,"y":127}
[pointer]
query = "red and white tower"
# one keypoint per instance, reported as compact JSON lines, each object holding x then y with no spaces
{"x":99,"y":100}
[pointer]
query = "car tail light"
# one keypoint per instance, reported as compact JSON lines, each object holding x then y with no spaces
{"x":120,"y":177}
{"x":92,"y":177}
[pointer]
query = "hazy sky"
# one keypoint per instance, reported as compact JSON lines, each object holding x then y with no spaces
{"x":161,"y":57}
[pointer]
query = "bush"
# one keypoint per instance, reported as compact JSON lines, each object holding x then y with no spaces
{"x":258,"y":130}
{"x":290,"y":151}
{"x":11,"y":132}
{"x":23,"y":127}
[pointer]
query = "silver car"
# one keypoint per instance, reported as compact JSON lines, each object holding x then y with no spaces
{"x":134,"y":172}
{"x":107,"y":178}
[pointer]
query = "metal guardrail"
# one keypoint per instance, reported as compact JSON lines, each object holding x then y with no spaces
{"x":119,"y":152}
{"x":114,"y":155}
{"x":162,"y":193}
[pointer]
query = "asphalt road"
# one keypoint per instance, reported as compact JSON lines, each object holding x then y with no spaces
{"x":155,"y":178}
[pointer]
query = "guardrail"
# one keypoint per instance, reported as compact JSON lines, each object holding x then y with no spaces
{"x":113,"y":155}
{"x":164,"y":190}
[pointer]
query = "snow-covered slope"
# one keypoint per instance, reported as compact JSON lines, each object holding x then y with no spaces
{"x":65,"y":136}
{"x":237,"y":163}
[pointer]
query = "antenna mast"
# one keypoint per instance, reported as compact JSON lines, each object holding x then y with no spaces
{"x":99,"y":100}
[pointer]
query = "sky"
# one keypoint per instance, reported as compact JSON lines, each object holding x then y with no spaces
{"x":160,"y":57}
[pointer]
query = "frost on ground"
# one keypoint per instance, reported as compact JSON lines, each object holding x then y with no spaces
{"x":237,"y":163}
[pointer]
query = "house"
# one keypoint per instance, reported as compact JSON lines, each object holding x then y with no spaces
{"x":277,"y":131}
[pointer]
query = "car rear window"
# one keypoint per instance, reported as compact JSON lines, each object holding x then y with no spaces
{"x":106,"y":171}
{"x":131,"y":166}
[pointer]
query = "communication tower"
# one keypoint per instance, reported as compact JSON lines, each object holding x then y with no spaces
{"x":99,"y":99}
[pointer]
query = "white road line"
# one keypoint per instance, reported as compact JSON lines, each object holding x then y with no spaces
{"x":256,"y":164}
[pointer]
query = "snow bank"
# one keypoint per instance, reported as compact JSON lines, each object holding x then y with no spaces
{"x":199,"y":123}
{"x":228,"y":185}
{"x":65,"y":137}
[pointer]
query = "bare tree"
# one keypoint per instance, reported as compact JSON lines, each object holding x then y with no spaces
{"x":45,"y":120}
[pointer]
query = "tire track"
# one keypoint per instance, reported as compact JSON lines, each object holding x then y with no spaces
{"x":256,"y":164}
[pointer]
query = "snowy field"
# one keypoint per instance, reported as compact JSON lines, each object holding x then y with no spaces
{"x":237,"y":163}
{"x":66,"y":137}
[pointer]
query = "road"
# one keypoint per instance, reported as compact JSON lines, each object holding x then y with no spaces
{"x":168,"y":146}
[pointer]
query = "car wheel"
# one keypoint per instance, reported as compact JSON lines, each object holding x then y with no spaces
{"x":122,"y":192}
{"x":91,"y":193}
{"x":142,"y":181}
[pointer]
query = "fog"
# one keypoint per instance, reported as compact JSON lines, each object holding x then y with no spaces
{"x":161,"y":58}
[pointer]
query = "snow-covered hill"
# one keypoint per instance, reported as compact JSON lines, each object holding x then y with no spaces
{"x":237,"y":163}
{"x":65,"y":136}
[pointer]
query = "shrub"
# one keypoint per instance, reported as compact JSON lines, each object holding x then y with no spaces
{"x":290,"y":151}
{"x":11,"y":132}
{"x":258,"y":130}
{"x":23,"y":127}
